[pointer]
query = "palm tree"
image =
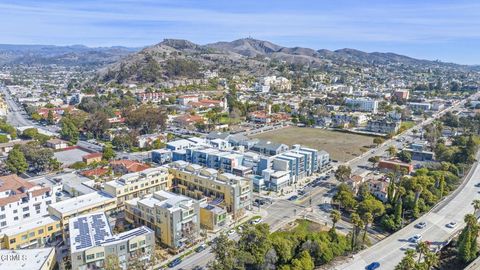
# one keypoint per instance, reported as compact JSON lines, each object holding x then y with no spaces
{"x":335,"y":216}
{"x":471,"y":220}
{"x":418,"y":192}
{"x":367,"y":219}
{"x":476,"y":205}
{"x":422,"y":248}
{"x":408,"y":262}
{"x":357,"y":224}
{"x":431,"y":260}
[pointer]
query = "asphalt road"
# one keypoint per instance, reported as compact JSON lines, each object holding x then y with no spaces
{"x":391,"y":250}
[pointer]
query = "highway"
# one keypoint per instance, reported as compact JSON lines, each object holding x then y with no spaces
{"x":391,"y":250}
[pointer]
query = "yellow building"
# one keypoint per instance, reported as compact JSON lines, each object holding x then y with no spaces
{"x":212,"y":217}
{"x":31,"y":234}
{"x":139,"y":184}
{"x":227,"y":190}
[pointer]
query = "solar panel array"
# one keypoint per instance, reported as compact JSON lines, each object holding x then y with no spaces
{"x":83,"y":238}
{"x":100,"y":229}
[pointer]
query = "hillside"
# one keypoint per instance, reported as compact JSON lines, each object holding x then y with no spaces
{"x":182,"y":59}
{"x":76,"y":55}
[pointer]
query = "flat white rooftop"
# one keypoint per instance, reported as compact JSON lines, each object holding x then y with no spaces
{"x":81,"y":202}
{"x":28,"y":225}
{"x":21,"y":259}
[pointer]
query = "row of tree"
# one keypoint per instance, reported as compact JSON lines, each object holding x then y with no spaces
{"x":257,"y":248}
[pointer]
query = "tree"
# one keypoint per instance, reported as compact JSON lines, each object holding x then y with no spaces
{"x":146,"y":119}
{"x":392,"y":151}
{"x":431,"y":259}
{"x":97,"y":124}
{"x":422,"y":248}
{"x":225,"y":253}
{"x":357,"y":225}
{"x":69,"y":131}
{"x":303,"y":262}
{"x":408,"y":262}
{"x":476,"y":205}
{"x":50,"y":117}
{"x":405,"y":156}
{"x":16,"y":162}
{"x":374,"y":160}
{"x":342,"y":173}
{"x":367,"y":220}
{"x":112,"y":262}
{"x":3,"y":138}
{"x":335,"y":216}
{"x":39,"y":158}
{"x":378,"y":141}
{"x":467,"y":241}
{"x":108,"y":153}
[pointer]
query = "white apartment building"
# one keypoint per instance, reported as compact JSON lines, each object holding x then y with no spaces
{"x":21,"y":200}
{"x":362,"y":104}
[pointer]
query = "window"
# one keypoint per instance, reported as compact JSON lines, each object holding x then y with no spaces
{"x":122,"y":247}
{"x":2,"y":216}
{"x":15,"y":218}
{"x":40,"y":231}
{"x":48,"y":202}
{"x":142,"y":242}
{"x":90,"y":257}
{"x":26,"y":215}
{"x":32,"y":234}
{"x":13,"y":240}
{"x":100,"y":254}
{"x":4,"y":223}
{"x":134,"y":245}
{"x":50,"y":228}
{"x":79,"y":257}
{"x":24,"y":237}
{"x":15,"y":211}
{"x":25,"y":209}
{"x":58,"y":225}
{"x":3,"y":208}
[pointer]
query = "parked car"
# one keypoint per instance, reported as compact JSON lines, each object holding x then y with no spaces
{"x":373,"y":266}
{"x":175,"y":262}
{"x":231,"y":232}
{"x":201,"y":248}
{"x":293,"y":198}
{"x":256,"y":221}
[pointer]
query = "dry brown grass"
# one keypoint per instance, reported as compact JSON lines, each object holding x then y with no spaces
{"x":341,"y":146}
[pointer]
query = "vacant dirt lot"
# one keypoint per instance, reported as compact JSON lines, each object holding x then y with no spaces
{"x":341,"y":146}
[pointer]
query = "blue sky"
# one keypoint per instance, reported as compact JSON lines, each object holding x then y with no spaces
{"x":429,"y":29}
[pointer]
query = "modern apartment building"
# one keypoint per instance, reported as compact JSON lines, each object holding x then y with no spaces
{"x":89,"y":203}
{"x":31,"y":233}
{"x":228,"y":190}
{"x":174,"y":218}
{"x":139,"y":184}
{"x":21,"y":200}
{"x":92,"y":242}
{"x":362,"y":104}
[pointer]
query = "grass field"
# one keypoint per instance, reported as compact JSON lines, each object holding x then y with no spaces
{"x":341,"y":146}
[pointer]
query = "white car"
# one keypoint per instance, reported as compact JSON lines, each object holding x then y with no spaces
{"x":256,"y":221}
{"x":231,"y":232}
{"x":452,"y":225}
{"x":421,"y":225}
{"x":415,"y":239}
